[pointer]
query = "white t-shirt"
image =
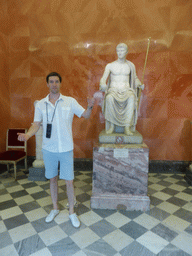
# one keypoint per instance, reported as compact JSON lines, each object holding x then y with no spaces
{"x":61,"y":136}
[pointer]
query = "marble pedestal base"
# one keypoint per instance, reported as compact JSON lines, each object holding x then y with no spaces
{"x":120,"y":202}
{"x":120,"y":177}
{"x":188,"y":176}
{"x":37,"y":174}
{"x":120,"y":138}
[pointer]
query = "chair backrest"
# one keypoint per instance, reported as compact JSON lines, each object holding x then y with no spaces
{"x":12,"y":142}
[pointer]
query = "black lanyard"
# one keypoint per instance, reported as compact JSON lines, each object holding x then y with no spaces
{"x":53,"y":112}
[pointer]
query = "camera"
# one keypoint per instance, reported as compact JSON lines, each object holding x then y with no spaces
{"x":48,"y":131}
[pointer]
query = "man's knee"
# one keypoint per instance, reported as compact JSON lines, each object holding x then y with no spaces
{"x":69,"y":182}
{"x":54,"y":179}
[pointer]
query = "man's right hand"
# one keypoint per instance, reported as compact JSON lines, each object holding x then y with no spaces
{"x":32,"y":130}
{"x":22,"y":136}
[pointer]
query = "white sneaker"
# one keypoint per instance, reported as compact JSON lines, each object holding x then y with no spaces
{"x":74,"y":220}
{"x":51,"y":215}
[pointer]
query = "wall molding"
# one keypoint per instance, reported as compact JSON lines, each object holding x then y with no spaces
{"x":155,"y":166}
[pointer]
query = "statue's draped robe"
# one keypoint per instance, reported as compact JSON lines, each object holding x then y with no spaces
{"x":116,"y":107}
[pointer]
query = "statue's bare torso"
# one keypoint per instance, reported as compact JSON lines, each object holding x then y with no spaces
{"x":119,"y":75}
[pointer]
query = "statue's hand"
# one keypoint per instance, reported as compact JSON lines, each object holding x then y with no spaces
{"x":142,"y":86}
{"x":103,"y":87}
{"x":91,"y":102}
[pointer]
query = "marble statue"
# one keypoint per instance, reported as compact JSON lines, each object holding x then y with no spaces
{"x":120,"y":84}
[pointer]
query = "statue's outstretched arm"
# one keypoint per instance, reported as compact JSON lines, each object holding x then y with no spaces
{"x":103,"y":82}
{"x":138,"y":83}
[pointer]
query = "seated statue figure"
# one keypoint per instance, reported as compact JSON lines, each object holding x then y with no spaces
{"x":120,"y":84}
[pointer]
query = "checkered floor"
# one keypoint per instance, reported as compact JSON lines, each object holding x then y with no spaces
{"x":165,"y":230}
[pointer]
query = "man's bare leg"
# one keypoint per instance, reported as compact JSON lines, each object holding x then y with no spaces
{"x":127,"y":131}
{"x":70,"y":195}
{"x":54,"y":192}
{"x":54,"y":197}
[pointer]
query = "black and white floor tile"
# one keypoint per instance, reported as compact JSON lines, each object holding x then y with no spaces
{"x":165,"y":230}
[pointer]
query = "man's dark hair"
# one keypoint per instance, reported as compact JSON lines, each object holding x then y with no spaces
{"x":53,"y":74}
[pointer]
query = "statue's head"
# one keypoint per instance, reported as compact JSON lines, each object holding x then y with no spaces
{"x":122,"y":51}
{"x":122,"y":45}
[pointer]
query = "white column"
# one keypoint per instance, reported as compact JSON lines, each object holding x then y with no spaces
{"x":39,"y":163}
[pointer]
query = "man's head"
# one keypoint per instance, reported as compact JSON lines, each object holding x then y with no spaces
{"x":54,"y":82}
{"x":53,"y":74}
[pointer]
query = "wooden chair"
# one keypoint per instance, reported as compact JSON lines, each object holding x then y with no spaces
{"x":15,"y":150}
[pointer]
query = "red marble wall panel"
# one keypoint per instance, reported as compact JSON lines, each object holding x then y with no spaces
{"x":5,"y":114}
{"x":77,"y":39}
{"x":167,"y":138}
{"x":4,"y":111}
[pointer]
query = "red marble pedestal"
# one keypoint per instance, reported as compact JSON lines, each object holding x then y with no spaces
{"x":120,"y":177}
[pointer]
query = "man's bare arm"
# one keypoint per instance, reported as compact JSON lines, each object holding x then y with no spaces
{"x":86,"y":114}
{"x":32,"y":130}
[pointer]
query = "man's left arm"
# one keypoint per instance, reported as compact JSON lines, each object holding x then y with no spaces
{"x":86,"y":114}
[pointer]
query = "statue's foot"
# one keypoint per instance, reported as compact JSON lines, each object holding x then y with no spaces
{"x":111,"y":129}
{"x":127,"y":131}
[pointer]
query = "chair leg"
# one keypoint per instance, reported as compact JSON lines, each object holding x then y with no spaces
{"x":15,"y":171}
{"x":8,"y":169}
{"x":26,"y":163}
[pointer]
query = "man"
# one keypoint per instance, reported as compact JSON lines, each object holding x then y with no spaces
{"x":120,"y":104}
{"x":56,"y":113}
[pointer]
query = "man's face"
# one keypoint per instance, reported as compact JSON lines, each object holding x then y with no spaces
{"x":121,"y":52}
{"x":54,"y":84}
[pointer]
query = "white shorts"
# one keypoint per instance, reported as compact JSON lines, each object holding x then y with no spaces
{"x":52,"y":160}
